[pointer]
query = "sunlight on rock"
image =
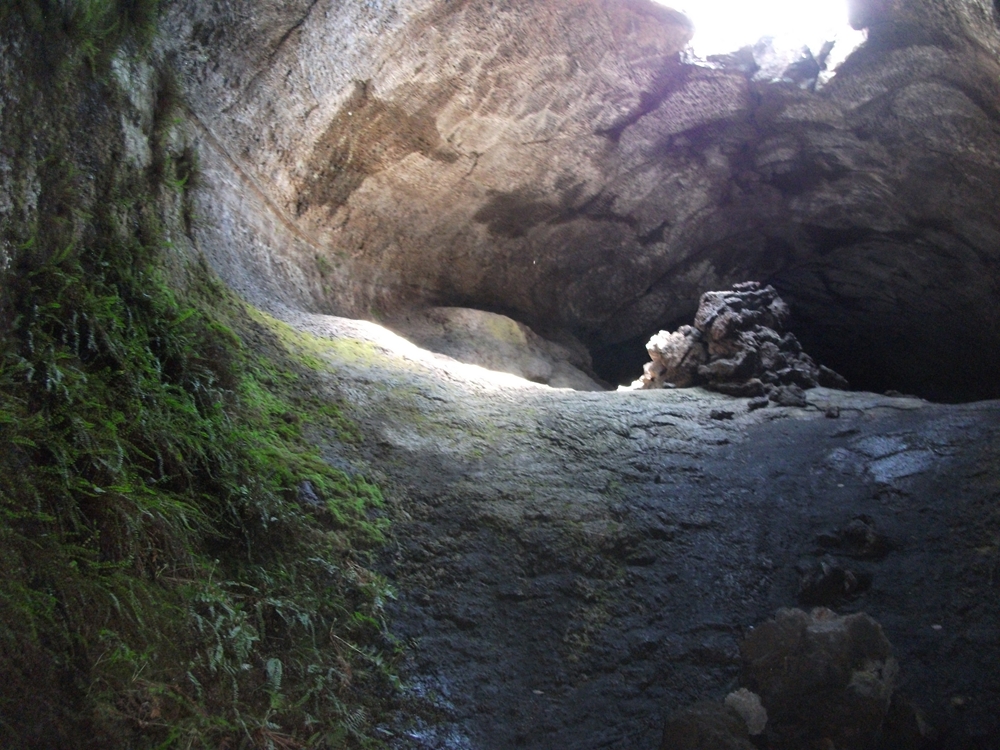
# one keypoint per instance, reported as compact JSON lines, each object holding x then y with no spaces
{"x":780,"y":31}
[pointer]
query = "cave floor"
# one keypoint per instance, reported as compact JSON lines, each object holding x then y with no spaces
{"x":572,"y":566}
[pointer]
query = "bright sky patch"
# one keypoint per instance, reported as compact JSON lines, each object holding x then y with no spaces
{"x":726,"y":25}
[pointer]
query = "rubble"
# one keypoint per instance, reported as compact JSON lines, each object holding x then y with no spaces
{"x":738,"y":346}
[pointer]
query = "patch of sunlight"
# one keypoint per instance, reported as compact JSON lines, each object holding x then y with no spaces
{"x":782,"y":32}
{"x":345,"y":342}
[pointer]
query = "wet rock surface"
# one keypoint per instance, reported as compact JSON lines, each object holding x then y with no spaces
{"x":573,"y":567}
{"x":737,"y":346}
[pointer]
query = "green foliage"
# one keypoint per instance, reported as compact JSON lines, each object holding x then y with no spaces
{"x":163,"y":582}
{"x":65,"y":32}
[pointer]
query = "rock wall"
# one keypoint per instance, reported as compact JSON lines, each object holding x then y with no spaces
{"x":558,"y":163}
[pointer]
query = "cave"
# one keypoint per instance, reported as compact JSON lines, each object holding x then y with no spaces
{"x":597,"y":194}
{"x":466,"y":218}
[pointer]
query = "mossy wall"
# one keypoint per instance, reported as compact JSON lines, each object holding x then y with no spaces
{"x":178,"y":565}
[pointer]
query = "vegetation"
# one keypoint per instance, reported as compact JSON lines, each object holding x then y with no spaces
{"x":180,"y":566}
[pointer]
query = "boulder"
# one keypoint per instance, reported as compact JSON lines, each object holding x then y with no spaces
{"x":706,"y":726}
{"x":821,"y":677}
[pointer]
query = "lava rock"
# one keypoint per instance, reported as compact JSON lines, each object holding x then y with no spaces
{"x":905,"y":727}
{"x":825,"y":582}
{"x":821,"y":677}
{"x":747,"y":704}
{"x":676,"y":358}
{"x":859,"y":538}
{"x":737,"y":346}
{"x":788,"y":395}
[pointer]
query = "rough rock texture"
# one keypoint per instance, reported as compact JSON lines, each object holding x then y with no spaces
{"x":498,"y":343}
{"x":822,"y":678}
{"x":570,"y":566}
{"x":738,"y":346}
{"x":555,"y":162}
{"x":747,"y":704}
{"x":706,"y":726}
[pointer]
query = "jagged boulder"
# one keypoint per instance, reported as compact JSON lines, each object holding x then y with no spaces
{"x":737,"y":345}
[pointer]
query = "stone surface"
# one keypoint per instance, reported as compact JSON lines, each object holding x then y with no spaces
{"x":570,"y":565}
{"x":747,"y":704}
{"x":705,"y":726}
{"x":823,"y":678}
{"x":557,"y":162}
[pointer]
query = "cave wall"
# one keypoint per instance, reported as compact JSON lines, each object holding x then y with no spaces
{"x":559,"y":163}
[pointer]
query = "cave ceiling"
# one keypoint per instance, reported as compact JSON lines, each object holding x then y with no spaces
{"x":560,"y":162}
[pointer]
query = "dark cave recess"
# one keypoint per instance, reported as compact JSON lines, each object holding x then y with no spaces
{"x":876,"y":359}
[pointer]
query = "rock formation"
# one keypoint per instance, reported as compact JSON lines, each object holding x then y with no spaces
{"x":821,"y":677}
{"x":558,"y":163}
{"x":738,"y":346}
{"x":706,"y":726}
{"x":568,"y":563}
{"x":815,"y":680}
{"x":498,"y":343}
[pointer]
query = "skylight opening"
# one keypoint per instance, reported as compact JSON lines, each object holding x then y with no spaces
{"x":781,"y":32}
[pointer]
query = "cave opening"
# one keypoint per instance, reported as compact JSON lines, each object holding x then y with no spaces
{"x":779,"y":32}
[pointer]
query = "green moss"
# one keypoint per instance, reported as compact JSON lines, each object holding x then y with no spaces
{"x":63,"y":34}
{"x":181,"y":568}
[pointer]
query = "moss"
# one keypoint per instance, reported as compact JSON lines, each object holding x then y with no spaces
{"x":181,"y":568}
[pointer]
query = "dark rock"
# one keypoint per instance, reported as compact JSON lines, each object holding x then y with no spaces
{"x":752,"y":388}
{"x":307,"y":495}
{"x":706,"y":726}
{"x":825,"y":582}
{"x":757,"y":403}
{"x":736,"y":346}
{"x":676,"y":357}
{"x":721,"y":414}
{"x":832,"y":412}
{"x":830,"y":379}
{"x":821,"y":677}
{"x":860,"y":539}
{"x":905,"y":727}
{"x":788,"y":395}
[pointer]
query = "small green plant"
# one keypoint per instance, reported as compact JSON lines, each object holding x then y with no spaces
{"x":179,"y":566}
